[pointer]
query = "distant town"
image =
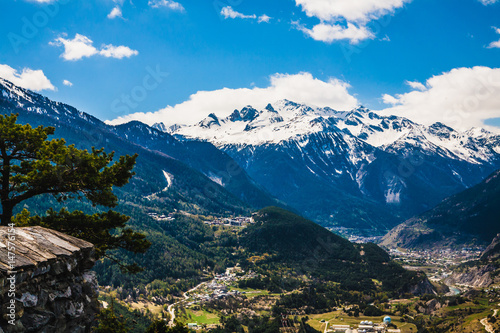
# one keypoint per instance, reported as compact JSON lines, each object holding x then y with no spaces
{"x":162,"y":217}
{"x":441,"y":259}
{"x":239,"y":221}
{"x":354,"y":236}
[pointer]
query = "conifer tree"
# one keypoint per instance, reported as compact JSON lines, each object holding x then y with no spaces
{"x":32,"y":165}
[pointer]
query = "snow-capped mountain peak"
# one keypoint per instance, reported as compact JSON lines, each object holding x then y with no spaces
{"x":12,"y":92}
{"x":17,"y":97}
{"x":211,"y":121}
{"x":275,"y":123}
{"x":286,"y":120}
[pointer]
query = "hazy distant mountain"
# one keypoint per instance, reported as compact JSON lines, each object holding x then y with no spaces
{"x":470,"y":217}
{"x":354,"y":169}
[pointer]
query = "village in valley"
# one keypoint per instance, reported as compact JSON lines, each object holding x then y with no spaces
{"x":442,"y":258}
{"x":236,"y":221}
{"x":438,"y":264}
{"x":222,"y":295}
{"x":224,"y":286}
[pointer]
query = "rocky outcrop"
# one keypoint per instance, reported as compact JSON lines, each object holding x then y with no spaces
{"x":492,"y":252}
{"x":430,"y":307}
{"x":482,"y":273}
{"x":45,"y":281}
{"x":475,"y":276}
{"x":422,"y":288}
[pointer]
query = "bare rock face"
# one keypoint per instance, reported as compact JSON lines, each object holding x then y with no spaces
{"x":430,"y":307}
{"x":492,"y":252}
{"x":476,"y":276}
{"x":45,"y":281}
{"x":422,"y":288}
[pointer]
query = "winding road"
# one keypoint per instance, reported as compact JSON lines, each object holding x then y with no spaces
{"x":326,"y":326}
{"x":171,"y":307}
{"x":487,"y":325}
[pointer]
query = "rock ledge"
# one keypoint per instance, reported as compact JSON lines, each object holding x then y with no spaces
{"x":54,"y":289}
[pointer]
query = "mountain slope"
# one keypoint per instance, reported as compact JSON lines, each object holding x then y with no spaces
{"x":160,"y":176}
{"x":295,"y":243}
{"x":470,"y":217}
{"x":479,"y":273}
{"x":201,"y":156}
{"x":353,"y":169}
{"x":492,"y":252}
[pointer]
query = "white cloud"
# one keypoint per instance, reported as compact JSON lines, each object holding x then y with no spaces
{"x":28,"y":78}
{"x":42,"y":1}
{"x":495,"y":44}
{"x":76,"y":48}
{"x":355,"y":13}
{"x":416,"y":85}
{"x":264,"y":18}
{"x":117,"y":52}
{"x":352,"y":11}
{"x":229,"y":12}
{"x":166,"y":4}
{"x":488,"y":2}
{"x":302,"y":87}
{"x":461,"y":98}
{"x":81,"y":47}
{"x":332,"y":32}
{"x":67,"y":83}
{"x":388,"y":99}
{"x":116,"y":12}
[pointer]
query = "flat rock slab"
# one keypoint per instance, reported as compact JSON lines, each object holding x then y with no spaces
{"x":36,"y":245}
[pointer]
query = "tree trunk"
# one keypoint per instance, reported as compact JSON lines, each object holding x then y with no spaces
{"x":7,"y":207}
{"x":7,"y":211}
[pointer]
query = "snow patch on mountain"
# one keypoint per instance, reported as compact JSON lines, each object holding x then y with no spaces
{"x":216,"y":179}
{"x":284,"y":122}
{"x":13,"y":92}
{"x":169,"y":178}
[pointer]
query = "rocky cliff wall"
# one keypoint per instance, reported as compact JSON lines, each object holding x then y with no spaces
{"x":476,"y":276}
{"x":45,"y":281}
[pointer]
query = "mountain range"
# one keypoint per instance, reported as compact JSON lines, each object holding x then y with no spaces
{"x":196,"y":178}
{"x":169,"y":173}
{"x":356,"y":169}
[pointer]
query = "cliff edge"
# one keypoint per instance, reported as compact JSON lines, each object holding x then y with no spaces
{"x":45,"y":281}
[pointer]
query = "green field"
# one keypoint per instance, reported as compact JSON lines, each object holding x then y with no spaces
{"x":201,"y":317}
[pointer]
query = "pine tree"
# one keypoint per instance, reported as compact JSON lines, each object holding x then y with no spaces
{"x":32,"y":165}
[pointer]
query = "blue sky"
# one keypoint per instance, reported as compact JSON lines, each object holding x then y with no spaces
{"x":400,"y":56}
